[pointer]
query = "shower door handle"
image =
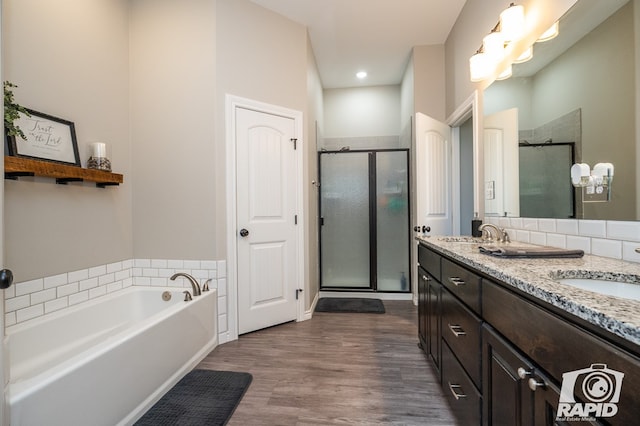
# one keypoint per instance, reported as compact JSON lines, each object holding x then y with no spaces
{"x":6,"y":278}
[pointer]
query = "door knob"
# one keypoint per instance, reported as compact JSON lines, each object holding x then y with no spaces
{"x":6,"y":278}
{"x":244,"y":232}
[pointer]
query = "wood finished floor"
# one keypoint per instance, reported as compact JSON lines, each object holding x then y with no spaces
{"x":336,"y":369}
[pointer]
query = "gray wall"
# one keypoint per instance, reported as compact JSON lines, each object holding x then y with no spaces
{"x":173,"y":128}
{"x":71,"y":60}
{"x":149,"y":78}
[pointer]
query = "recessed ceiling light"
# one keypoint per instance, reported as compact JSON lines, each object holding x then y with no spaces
{"x":361,"y":74}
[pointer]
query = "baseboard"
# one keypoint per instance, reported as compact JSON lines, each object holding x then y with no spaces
{"x":308,"y":314}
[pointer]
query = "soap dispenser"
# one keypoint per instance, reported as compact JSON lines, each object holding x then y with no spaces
{"x":475,"y":226}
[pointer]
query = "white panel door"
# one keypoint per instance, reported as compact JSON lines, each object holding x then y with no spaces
{"x":433,"y":175}
{"x":501,"y":164}
{"x":266,"y":203}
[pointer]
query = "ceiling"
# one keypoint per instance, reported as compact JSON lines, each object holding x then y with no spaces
{"x":371,"y":35}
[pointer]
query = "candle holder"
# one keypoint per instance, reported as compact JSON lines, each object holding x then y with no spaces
{"x":98,"y":160}
{"x":99,"y":163}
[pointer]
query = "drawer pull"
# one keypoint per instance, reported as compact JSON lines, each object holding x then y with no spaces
{"x":456,"y":281}
{"x":426,"y":278}
{"x":534,"y":384}
{"x":456,"y":394}
{"x":457,"y":330}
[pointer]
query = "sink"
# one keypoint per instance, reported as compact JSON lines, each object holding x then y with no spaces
{"x":461,"y":239}
{"x":610,"y":288}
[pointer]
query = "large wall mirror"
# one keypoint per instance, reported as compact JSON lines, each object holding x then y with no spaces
{"x":575,"y":101}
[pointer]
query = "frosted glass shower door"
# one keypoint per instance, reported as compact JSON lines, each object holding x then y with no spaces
{"x":392,"y":220}
{"x":344,"y":204}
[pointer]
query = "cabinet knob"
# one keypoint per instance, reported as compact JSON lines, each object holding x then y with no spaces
{"x":523,"y":373}
{"x":535,"y":384}
{"x":426,"y":278}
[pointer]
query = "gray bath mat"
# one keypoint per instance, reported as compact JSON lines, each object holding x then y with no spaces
{"x":202,"y":397}
{"x":350,"y":304}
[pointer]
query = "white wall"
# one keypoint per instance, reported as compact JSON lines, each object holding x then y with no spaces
{"x":70,"y":59}
{"x":362,"y":111}
{"x":173,"y":128}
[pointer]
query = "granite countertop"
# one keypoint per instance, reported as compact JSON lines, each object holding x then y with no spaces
{"x":534,"y":276}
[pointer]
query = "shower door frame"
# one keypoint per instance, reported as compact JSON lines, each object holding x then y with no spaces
{"x":373,"y":230}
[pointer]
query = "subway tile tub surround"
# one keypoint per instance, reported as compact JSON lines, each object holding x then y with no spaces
{"x":31,"y":299}
{"x":606,"y":238}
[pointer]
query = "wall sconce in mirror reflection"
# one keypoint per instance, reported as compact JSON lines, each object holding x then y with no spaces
{"x":596,"y":183}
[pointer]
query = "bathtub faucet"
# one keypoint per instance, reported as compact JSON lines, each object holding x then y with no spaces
{"x":194,"y":283}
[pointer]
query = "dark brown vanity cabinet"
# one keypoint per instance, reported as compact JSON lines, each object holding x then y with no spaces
{"x":429,"y":294}
{"x":504,"y":355}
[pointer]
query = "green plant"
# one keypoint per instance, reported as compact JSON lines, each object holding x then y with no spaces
{"x":12,"y":111}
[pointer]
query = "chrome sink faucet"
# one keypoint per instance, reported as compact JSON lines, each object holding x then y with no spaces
{"x":194,"y":283}
{"x":500,"y":233}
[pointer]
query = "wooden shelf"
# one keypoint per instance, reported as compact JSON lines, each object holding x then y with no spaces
{"x":15,"y":167}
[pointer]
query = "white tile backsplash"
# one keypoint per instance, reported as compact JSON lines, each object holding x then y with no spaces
{"x":579,"y":243}
{"x":547,"y":225}
{"x":592,"y":228}
{"x":31,"y":299}
{"x":614,"y":239}
{"x":606,"y":248}
{"x":530,"y":224}
{"x":629,"y":231}
{"x":567,"y":226}
{"x":557,"y":240}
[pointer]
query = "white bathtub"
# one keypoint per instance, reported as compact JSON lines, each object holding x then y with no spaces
{"x":107,"y":361}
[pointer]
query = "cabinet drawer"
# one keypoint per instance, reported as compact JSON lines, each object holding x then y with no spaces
{"x":462,"y":330}
{"x":559,"y":347}
{"x":463,"y":283}
{"x":429,"y":261}
{"x":464,"y":399}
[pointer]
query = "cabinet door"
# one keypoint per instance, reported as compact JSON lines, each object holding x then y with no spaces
{"x":545,"y":400}
{"x":422,"y":308}
{"x":434,"y":292}
{"x":507,"y":399}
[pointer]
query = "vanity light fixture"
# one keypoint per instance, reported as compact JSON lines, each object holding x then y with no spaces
{"x":512,"y":22}
{"x":509,"y":28}
{"x":479,"y":66}
{"x":528,"y":54}
{"x":508,"y":72}
{"x":551,"y":33}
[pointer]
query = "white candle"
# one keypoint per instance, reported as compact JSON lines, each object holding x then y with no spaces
{"x":99,"y":150}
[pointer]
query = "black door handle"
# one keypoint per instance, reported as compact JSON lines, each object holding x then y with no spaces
{"x":6,"y":278}
{"x":244,"y":232}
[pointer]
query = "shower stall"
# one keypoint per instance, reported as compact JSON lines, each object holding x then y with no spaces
{"x":364,"y":220}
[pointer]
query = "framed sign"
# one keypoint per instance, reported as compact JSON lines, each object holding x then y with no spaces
{"x":47,"y":138}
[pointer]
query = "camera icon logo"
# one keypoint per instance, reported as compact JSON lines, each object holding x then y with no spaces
{"x":590,"y":392}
